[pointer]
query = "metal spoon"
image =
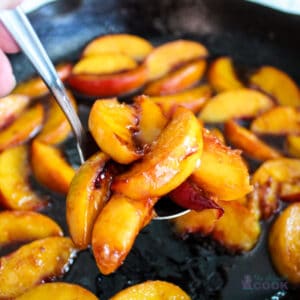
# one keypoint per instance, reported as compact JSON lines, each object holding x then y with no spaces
{"x":20,"y":28}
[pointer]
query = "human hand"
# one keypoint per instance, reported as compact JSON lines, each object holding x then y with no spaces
{"x":7,"y":45}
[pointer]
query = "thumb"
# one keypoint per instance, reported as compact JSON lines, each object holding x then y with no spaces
{"x":7,"y":78}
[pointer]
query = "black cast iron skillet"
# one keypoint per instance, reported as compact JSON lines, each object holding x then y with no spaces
{"x":252,"y":35}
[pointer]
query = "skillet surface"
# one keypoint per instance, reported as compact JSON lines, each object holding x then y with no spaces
{"x":252,"y":36}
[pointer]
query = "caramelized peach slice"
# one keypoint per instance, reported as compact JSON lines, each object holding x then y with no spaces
{"x":167,"y":56}
{"x":283,"y":171}
{"x":15,"y":191}
{"x":242,"y":103}
{"x":284,"y":244}
{"x":11,"y":107}
{"x":189,"y":195}
{"x":202,"y":222}
{"x":172,"y":158}
{"x":109,"y":85}
{"x":112,"y":241}
{"x":178,"y":80}
{"x":151,"y":119}
{"x":278,"y":84}
{"x":113,"y":126}
{"x":58,"y":291}
{"x":128,"y":44}
{"x":21,"y":226}
{"x":222,"y":172}
{"x":218,"y":134}
{"x":36,"y":87}
{"x":192,"y":99}
{"x":279,"y":120}
{"x":152,"y":290}
{"x":290,"y":191}
{"x":238,"y":229}
{"x":248,"y":142}
{"x":33,"y":263}
{"x":50,"y":168}
{"x":104,"y":63}
{"x":265,"y":196}
{"x":89,"y":190}
{"x":293,"y":145}
{"x":56,"y":127}
{"x":222,"y":76}
{"x":22,"y":129}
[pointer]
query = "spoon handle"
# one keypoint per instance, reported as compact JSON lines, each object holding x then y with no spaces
{"x":20,"y":28}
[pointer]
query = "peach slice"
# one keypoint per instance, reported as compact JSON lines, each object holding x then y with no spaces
{"x":58,"y":291}
{"x":50,"y":168}
{"x":167,"y":56}
{"x":11,"y":107}
{"x":218,"y":134}
{"x":202,"y":222}
{"x":89,"y":190}
{"x":265,"y":197}
{"x":193,"y":99}
{"x":248,"y":142}
{"x":128,"y":44}
{"x":242,"y":103}
{"x":284,"y":244}
{"x":281,"y":171}
{"x":222,"y":172}
{"x":292,"y":143}
{"x":36,"y":88}
{"x":279,"y":120}
{"x":222,"y":76}
{"x":238,"y":229}
{"x":15,"y":192}
{"x":178,"y":80}
{"x":109,"y":85}
{"x":113,"y":126}
{"x":112,"y":241}
{"x":151,"y":120}
{"x":21,"y":226}
{"x":172,"y":158}
{"x":277,"y":83}
{"x":104,"y":63}
{"x":56,"y":127}
{"x":290,"y":191}
{"x":189,"y":195}
{"x":22,"y":129}
{"x":33,"y":263}
{"x":152,"y":290}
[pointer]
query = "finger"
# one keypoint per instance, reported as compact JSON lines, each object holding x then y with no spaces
{"x":7,"y":79}
{"x":9,"y":3}
{"x":7,"y":43}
